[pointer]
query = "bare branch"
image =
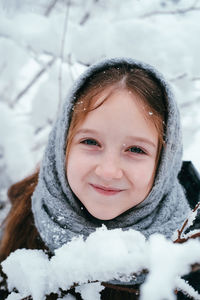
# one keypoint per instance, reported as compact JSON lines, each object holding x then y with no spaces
{"x":189,"y":103}
{"x":181,"y":76}
{"x":173,"y":12}
{"x":62,"y":52}
{"x":50,"y":8}
{"x":87,"y":15}
{"x":4,"y":36}
{"x":84,"y":19}
{"x":195,"y":78}
{"x":32,"y":82}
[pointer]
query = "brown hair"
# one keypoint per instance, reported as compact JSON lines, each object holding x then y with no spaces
{"x":19,"y":229}
{"x":140,"y":82}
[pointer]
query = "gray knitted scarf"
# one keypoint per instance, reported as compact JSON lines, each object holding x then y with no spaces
{"x":59,"y":215}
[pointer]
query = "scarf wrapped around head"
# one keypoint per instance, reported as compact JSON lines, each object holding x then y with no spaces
{"x":59,"y":215}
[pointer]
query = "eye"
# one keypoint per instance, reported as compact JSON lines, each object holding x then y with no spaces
{"x":90,"y":142}
{"x":136,"y":149}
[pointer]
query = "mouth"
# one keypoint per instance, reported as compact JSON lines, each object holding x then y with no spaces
{"x":109,"y":191}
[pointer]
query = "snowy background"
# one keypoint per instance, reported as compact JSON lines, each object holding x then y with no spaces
{"x":46,"y":44}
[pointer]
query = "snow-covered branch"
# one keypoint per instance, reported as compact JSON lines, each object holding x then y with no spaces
{"x":32,"y":82}
{"x":183,"y":235}
{"x":177,"y":11}
{"x":104,"y":256}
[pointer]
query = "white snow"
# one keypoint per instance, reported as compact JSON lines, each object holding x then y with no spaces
{"x":192,"y":218}
{"x":182,"y":285}
{"x":28,"y":273}
{"x":90,"y":291}
{"x":105,"y":255}
{"x":14,"y":296}
{"x":167,"y":261}
{"x":68,"y":297}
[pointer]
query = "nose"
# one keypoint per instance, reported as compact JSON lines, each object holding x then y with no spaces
{"x":109,"y":168}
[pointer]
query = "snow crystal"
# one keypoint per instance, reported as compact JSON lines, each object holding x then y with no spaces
{"x":90,"y":291}
{"x":14,"y":296}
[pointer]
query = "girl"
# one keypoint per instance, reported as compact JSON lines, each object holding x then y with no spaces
{"x":112,"y":158}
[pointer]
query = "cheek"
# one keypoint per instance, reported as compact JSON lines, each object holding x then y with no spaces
{"x":73,"y":164}
{"x":77,"y":166}
{"x":143,"y":174}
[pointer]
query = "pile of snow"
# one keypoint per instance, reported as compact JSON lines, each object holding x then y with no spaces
{"x":105,"y":255}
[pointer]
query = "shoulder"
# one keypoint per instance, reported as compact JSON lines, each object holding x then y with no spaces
{"x":189,"y":178}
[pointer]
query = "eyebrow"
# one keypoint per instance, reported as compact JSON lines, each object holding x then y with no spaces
{"x":135,"y":138}
{"x":86,"y":131}
{"x":142,"y":140}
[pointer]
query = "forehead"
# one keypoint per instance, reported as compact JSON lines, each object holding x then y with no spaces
{"x":120,"y":112}
{"x":109,"y":91}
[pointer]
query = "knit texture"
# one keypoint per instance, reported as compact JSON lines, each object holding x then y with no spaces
{"x":59,"y":215}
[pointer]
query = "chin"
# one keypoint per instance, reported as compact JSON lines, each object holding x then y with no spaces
{"x":103,"y":216}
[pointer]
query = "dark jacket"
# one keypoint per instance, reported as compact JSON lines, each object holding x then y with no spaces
{"x":190,"y":179}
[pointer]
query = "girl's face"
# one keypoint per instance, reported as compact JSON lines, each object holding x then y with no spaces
{"x":112,"y":158}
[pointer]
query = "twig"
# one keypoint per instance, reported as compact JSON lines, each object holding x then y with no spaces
{"x":84,"y":19}
{"x":62,"y":53}
{"x":87,"y":14}
{"x":4,"y":36}
{"x":189,"y":103}
{"x":50,"y":8}
{"x":121,"y":288}
{"x":195,"y":78}
{"x":173,"y":12}
{"x":181,"y":76}
{"x":33,"y":81}
{"x":180,"y":232}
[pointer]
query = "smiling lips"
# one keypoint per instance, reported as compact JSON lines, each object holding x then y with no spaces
{"x":106,"y":190}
